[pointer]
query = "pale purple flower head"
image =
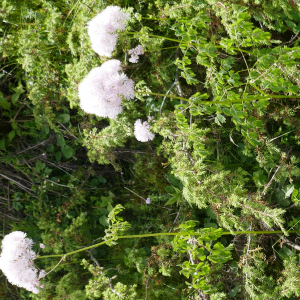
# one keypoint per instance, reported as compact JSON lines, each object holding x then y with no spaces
{"x":148,"y":201}
{"x":102,"y":90}
{"x":42,"y":274}
{"x":16,"y":261}
{"x":102,"y":29}
{"x":142,"y":132}
{"x":135,"y":52}
{"x":42,"y":246}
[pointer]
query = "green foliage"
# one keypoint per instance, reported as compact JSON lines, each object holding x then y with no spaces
{"x":226,"y":151}
{"x":117,"y":227}
{"x":101,"y":285}
{"x":202,"y":256}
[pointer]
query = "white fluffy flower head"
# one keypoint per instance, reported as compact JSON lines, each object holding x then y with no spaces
{"x":135,"y":52}
{"x":142,"y":132}
{"x":16,"y":261}
{"x":103,"y":28}
{"x":102,"y":90}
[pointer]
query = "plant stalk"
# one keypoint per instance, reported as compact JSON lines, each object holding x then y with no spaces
{"x":254,"y":98}
{"x":163,"y":234}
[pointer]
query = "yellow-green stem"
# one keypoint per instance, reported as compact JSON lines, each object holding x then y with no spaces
{"x":254,"y":98}
{"x":163,"y":234}
{"x":183,"y":42}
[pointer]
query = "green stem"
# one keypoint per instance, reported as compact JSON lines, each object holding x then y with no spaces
{"x":161,"y":49}
{"x":157,"y":36}
{"x":228,"y":101}
{"x":157,"y":19}
{"x":164,"y":95}
{"x":162,"y":234}
{"x":184,"y":42}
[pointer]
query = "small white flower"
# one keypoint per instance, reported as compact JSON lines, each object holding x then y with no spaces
{"x":102,"y":29}
{"x":102,"y":90}
{"x":16,"y":261}
{"x":42,"y":274}
{"x":135,"y":52}
{"x":142,"y":132}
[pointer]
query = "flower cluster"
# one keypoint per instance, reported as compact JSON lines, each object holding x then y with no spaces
{"x":102,"y":29}
{"x":135,"y":52}
{"x":142,"y":132}
{"x":16,"y":262}
{"x":101,"y":91}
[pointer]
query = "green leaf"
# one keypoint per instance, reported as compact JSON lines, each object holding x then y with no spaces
{"x":295,"y":196}
{"x":241,"y":114}
{"x":67,"y":151}
{"x":94,"y":182}
{"x":263,"y":103}
{"x":178,"y":192}
{"x":204,"y":270}
{"x":14,"y":124}
{"x":19,"y":89}
{"x":284,"y":202}
{"x":104,"y":221}
{"x":293,"y":89}
{"x":186,"y":273}
{"x":235,"y":291}
{"x":254,"y":142}
{"x":101,"y":179}
{"x":285,"y":252}
{"x":58,"y":156}
{"x":288,"y":190}
{"x":2,"y":144}
{"x":109,"y":207}
{"x":253,"y":134}
{"x":236,"y":120}
{"x":11,"y":135}
{"x":211,"y":213}
{"x":17,"y":205}
{"x":195,"y":111}
{"x":105,"y":201}
{"x":259,"y":178}
{"x":4,"y":103}
{"x":201,"y":152}
{"x":64,"y":118}
{"x":221,"y":118}
{"x":47,"y":171}
{"x":60,"y":139}
{"x":169,"y":189}
{"x":210,"y":225}
{"x":39,"y":166}
{"x":15,"y":98}
{"x":258,"y":123}
{"x":173,"y":200}
{"x":50,"y":148}
{"x":227,"y":111}
{"x":174,"y":181}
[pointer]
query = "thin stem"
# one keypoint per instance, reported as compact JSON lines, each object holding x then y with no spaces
{"x":254,"y":98}
{"x":134,"y":193}
{"x":73,"y":252}
{"x":165,"y":95}
{"x":163,"y":234}
{"x":161,"y":49}
{"x":56,"y":265}
{"x":158,"y":36}
{"x":182,"y":42}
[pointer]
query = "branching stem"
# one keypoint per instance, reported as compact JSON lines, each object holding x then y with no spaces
{"x":163,"y":234}
{"x":254,"y":98}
